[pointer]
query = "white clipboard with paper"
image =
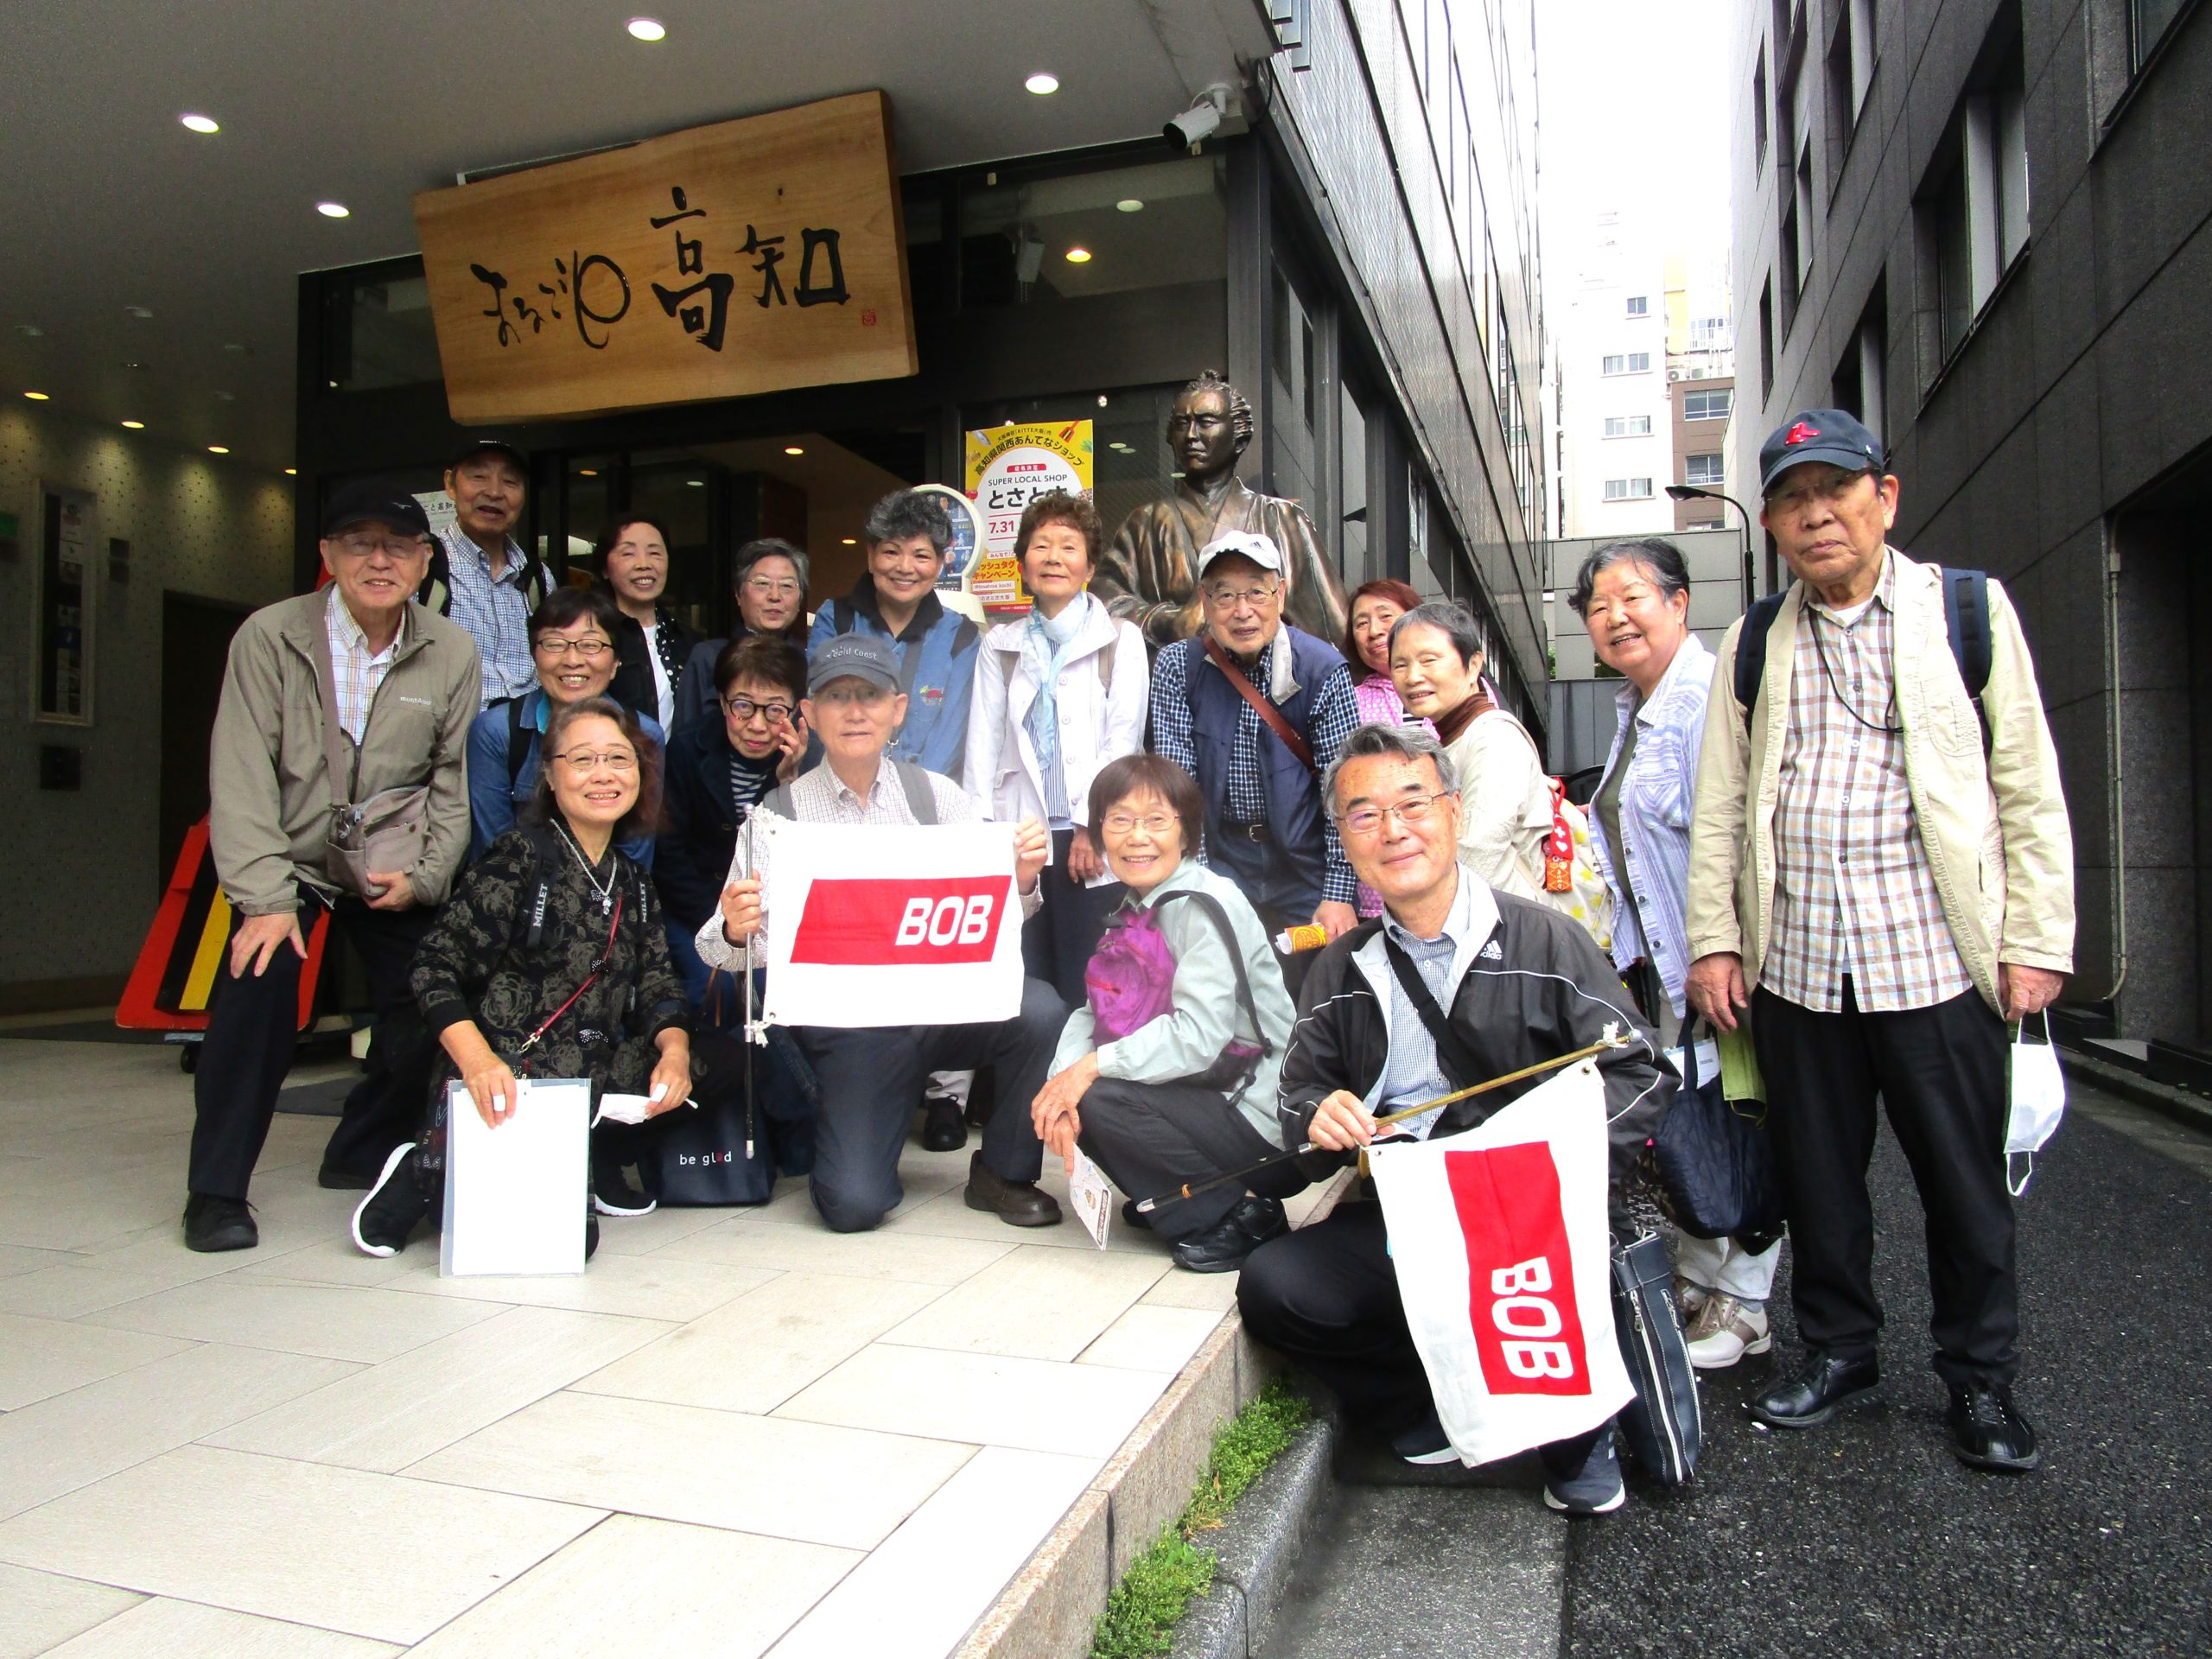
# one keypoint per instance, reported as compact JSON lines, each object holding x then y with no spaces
{"x":515,"y":1195}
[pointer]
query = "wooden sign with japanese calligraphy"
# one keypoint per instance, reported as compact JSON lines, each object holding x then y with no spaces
{"x":742,"y":257}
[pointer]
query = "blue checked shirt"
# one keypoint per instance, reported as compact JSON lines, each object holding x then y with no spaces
{"x":1334,"y":717}
{"x":496,"y":613}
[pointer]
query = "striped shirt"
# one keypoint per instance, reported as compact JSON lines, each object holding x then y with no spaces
{"x":1649,"y":873}
{"x":355,"y":671}
{"x":820,"y":796}
{"x":496,"y":613}
{"x":1333,"y":716}
{"x":1854,"y":893}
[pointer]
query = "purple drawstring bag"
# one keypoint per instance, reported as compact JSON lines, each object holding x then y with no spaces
{"x":1130,"y":982}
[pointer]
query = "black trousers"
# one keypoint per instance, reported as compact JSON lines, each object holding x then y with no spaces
{"x":1057,"y":942}
{"x":1939,"y":1071}
{"x":253,"y":1026}
{"x":1153,"y":1137}
{"x":871,"y":1082}
{"x":1327,"y":1296}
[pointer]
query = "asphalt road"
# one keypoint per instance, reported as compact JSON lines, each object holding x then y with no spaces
{"x":1866,"y":1537}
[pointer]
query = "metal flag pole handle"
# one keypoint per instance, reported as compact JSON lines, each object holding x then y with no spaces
{"x":1611,"y":1039}
{"x":755,"y":1031}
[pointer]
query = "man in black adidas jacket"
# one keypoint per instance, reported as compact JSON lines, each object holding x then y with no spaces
{"x":1522,"y":984}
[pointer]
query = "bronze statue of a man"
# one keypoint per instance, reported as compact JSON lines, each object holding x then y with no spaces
{"x":1150,"y":573}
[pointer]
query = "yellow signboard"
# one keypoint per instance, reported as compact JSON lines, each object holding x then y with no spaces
{"x":1009,"y":467}
{"x":741,"y":257}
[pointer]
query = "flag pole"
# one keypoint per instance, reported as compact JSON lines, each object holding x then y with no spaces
{"x":1611,"y":1039}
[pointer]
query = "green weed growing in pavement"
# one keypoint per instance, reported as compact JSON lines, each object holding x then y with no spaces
{"x":1142,"y":1611}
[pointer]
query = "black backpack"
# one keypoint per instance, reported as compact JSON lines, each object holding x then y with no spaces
{"x":437,"y":591}
{"x":1966,"y":620}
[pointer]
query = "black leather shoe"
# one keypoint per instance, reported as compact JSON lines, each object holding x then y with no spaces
{"x":1221,"y":1249}
{"x":339,"y":1179}
{"x":214,"y":1224}
{"x":1809,"y":1396}
{"x":943,"y":1129}
{"x":1018,"y":1203}
{"x":1260,"y":1218}
{"x":1989,"y":1431}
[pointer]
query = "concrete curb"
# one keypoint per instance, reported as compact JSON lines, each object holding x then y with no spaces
{"x":1049,"y":1608}
{"x":1258,"y":1548}
{"x":2190,"y":1111}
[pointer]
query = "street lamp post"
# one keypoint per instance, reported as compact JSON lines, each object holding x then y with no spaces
{"x":1695,"y":492}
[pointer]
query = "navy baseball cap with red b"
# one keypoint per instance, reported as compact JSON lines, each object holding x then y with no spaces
{"x":1826,"y":434}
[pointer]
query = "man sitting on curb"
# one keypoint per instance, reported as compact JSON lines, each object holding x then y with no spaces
{"x":871,"y":1080}
{"x":1517,"y":983}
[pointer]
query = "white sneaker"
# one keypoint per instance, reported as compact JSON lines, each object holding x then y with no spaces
{"x":1726,"y":1329}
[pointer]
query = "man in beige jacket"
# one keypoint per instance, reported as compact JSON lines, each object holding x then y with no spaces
{"x":1882,"y":875}
{"x":404,"y":680}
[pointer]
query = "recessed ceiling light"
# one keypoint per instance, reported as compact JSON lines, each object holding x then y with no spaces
{"x":794,"y":449}
{"x":30,"y":331}
{"x":291,"y":472}
{"x":696,"y":483}
{"x":1102,"y":400}
{"x":587,"y":472}
{"x":647,"y":29}
{"x":1130,"y":205}
{"x":201,"y":123}
{"x":1042,"y":84}
{"x":334,"y":209}
{"x":217,"y":450}
{"x":144,"y":313}
{"x":850,"y":541}
{"x":233,"y":346}
{"x":1078,"y":256}
{"x":133,"y":363}
{"x":134,"y":426}
{"x":35,"y":397}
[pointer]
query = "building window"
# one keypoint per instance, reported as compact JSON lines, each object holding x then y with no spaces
{"x":1861,"y":371}
{"x":1707,"y":405}
{"x":1851,"y":69}
{"x":1758,"y":111}
{"x":1974,"y":214}
{"x":2148,"y":23}
{"x":1629,"y":362}
{"x":1703,"y":470}
{"x":1639,"y":305}
{"x":1709,"y":335}
{"x":1628,"y":426}
{"x":1766,"y":341}
{"x":1628,"y":489}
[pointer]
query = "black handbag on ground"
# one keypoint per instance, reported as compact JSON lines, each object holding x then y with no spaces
{"x":1660,"y":1425}
{"x":1715,"y":1165}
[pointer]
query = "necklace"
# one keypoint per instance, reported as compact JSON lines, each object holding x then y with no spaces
{"x":604,"y":889}
{"x":1822,"y":651}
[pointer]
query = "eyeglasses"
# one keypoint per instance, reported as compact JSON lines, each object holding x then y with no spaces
{"x":772,"y":586}
{"x":365,"y":547}
{"x":1415,"y":809}
{"x":743,"y":709}
{"x":1236,"y":599}
{"x":590,"y":650}
{"x":1122,"y":824}
{"x":838,"y":697}
{"x":615,"y":760}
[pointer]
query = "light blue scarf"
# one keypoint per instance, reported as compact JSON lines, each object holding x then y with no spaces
{"x":1044,"y":645}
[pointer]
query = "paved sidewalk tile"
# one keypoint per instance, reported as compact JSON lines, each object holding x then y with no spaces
{"x":40,"y":1357}
{"x":185,"y":1630}
{"x":40,"y":1610}
{"x":334,"y":1321}
{"x":1030,"y":1404}
{"x":1034,"y":1304}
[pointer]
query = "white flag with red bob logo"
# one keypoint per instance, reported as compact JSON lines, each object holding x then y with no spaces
{"x":874,"y":925}
{"x":1504,"y":1257}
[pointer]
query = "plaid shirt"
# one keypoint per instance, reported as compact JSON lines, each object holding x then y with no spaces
{"x":1333,"y":716}
{"x":356,"y":671}
{"x":820,"y":796}
{"x":1853,"y":892}
{"x":496,"y":613}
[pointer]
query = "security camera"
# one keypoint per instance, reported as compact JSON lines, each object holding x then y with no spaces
{"x":1200,"y":120}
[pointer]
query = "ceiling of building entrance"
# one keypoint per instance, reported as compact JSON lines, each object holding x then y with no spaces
{"x":151,"y":275}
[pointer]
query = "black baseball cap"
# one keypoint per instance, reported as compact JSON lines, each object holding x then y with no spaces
{"x":475,"y":447}
{"x":375,"y":500}
{"x":1827,"y":434}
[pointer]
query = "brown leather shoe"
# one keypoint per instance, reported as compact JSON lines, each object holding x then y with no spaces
{"x":1018,"y":1203}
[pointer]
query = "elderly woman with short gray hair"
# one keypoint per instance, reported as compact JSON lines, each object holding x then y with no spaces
{"x":1634,"y":598}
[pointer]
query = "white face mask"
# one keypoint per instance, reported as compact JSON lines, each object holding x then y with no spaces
{"x":2038,"y":1100}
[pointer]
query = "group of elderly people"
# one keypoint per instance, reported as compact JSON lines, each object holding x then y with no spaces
{"x":1180,"y":824}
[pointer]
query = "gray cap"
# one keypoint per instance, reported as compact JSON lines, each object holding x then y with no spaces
{"x":861,"y":655}
{"x":1247,"y":543}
